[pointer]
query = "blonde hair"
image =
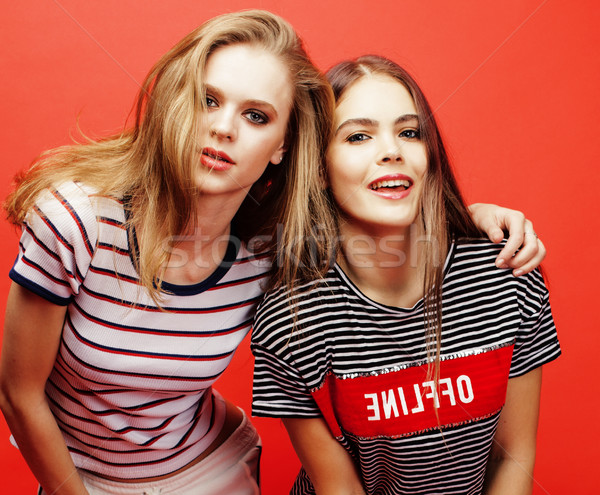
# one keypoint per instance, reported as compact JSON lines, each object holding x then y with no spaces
{"x":152,"y":164}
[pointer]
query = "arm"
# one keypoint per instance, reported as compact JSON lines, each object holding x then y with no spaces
{"x":510,"y":466}
{"x":32,"y":331}
{"x":493,"y":220}
{"x":328,"y":465}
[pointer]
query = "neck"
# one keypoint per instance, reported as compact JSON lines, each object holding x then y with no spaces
{"x":384,"y":263}
{"x":196,"y":253}
{"x":214,"y":216}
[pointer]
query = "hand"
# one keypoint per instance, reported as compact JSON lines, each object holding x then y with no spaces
{"x":523,"y":250}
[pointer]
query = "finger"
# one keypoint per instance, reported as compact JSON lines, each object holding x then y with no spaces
{"x":528,"y":247}
{"x":526,"y":253}
{"x":515,"y":240}
{"x":534,"y":262}
{"x":494,"y":233}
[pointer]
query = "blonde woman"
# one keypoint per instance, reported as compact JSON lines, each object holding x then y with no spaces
{"x":413,"y":366}
{"x":143,"y":256}
{"x":135,"y":281}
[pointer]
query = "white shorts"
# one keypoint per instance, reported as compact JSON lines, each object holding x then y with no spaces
{"x":232,"y":469}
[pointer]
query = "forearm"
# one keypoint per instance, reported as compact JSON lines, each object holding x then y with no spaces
{"x":335,"y":486}
{"x":42,"y":445}
{"x":509,"y":477}
{"x":32,"y":331}
{"x":328,"y":465}
{"x":510,"y":465}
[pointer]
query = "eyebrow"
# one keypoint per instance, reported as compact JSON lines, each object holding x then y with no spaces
{"x":252,"y":103}
{"x":364,"y":122}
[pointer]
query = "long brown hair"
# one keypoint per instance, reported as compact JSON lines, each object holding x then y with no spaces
{"x":444,"y":214}
{"x":152,"y":164}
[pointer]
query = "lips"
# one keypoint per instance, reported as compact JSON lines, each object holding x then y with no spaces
{"x":394,"y":186}
{"x":217,"y":160}
{"x":390,"y":184}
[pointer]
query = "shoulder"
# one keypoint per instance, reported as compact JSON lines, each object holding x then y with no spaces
{"x":471,"y":265}
{"x":73,"y":209}
{"x":481,"y":253}
{"x":305,"y":296}
{"x":250,"y":260}
{"x":470,"y":258}
{"x":296,"y":311}
{"x":471,"y":262}
{"x":275,"y":314}
{"x":64,"y":211}
{"x":475,"y":250}
{"x":75,"y":200}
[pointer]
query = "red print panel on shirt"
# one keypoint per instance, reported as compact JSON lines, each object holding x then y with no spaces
{"x":405,"y":402}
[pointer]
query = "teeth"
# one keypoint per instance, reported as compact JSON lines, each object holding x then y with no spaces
{"x":215,"y":157}
{"x":391,"y":183}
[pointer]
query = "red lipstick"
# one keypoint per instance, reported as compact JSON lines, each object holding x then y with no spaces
{"x":217,"y":160}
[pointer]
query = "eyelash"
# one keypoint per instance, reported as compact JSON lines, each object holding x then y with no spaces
{"x":359,"y":137}
{"x":262,"y":118}
{"x":354,"y":138}
{"x":253,"y":116}
{"x":416,"y":134}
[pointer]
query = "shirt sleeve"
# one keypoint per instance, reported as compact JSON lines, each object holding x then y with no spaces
{"x":57,"y":244}
{"x":279,"y":389}
{"x":537,"y":341}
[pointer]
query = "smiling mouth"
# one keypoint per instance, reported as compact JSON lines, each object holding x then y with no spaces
{"x":395,"y":184}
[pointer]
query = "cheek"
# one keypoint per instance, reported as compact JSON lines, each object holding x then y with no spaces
{"x":266,"y":145}
{"x":258,"y":167}
{"x":343,"y":167}
{"x":423,"y":162}
{"x":337,"y":179}
{"x":334,"y":182}
{"x":345,"y":190}
{"x":258,"y":150}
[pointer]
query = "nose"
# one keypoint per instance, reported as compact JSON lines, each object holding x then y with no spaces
{"x":391,"y":155}
{"x":389,"y":148}
{"x":222,"y":125}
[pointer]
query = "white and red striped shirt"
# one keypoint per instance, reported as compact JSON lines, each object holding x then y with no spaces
{"x":329,"y":351}
{"x":131,"y":388}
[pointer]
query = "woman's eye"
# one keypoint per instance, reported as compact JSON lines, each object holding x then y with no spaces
{"x":357,"y":138}
{"x":410,"y":134}
{"x":257,"y":117}
{"x":210,"y":102}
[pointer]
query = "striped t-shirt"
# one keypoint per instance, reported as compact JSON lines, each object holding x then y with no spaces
{"x":362,"y":366}
{"x":131,"y":386}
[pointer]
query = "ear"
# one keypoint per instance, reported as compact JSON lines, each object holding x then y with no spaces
{"x":278,"y":155}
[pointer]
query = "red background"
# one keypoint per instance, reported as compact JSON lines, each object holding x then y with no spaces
{"x":514,"y":84}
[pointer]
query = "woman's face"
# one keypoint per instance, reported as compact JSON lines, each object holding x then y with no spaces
{"x":248,"y":98}
{"x":376,"y":161}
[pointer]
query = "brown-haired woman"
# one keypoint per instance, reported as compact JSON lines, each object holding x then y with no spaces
{"x":413,"y":365}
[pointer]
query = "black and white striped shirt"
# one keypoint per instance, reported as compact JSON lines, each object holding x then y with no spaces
{"x":362,"y":366}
